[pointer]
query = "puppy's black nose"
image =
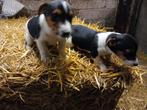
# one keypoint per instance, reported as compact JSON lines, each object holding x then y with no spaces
{"x":135,"y":64}
{"x":65,"y":34}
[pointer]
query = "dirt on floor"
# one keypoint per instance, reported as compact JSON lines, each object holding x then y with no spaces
{"x":136,"y":97}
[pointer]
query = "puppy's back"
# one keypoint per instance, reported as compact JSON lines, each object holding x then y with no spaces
{"x":82,"y":36}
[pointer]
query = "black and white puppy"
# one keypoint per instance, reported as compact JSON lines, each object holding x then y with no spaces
{"x":51,"y":26}
{"x":104,"y":43}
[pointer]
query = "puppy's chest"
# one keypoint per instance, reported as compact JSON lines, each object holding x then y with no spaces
{"x":51,"y":39}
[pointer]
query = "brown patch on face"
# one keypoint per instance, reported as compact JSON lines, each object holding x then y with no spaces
{"x":57,"y":11}
{"x":112,"y":42}
{"x":120,"y":54}
{"x":53,"y":25}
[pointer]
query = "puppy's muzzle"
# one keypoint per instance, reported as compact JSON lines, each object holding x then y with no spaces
{"x":135,"y":64}
{"x":65,"y":29}
{"x":132,"y":62}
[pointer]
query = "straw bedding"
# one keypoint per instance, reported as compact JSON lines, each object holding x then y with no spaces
{"x":75,"y":84}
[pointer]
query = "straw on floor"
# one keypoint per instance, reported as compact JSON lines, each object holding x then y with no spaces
{"x":76,"y":84}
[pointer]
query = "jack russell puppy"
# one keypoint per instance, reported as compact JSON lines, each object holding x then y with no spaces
{"x":51,"y":26}
{"x":104,"y":43}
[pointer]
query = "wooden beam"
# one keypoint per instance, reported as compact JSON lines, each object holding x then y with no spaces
{"x":134,"y":16}
{"x":127,"y":16}
{"x":122,"y":16}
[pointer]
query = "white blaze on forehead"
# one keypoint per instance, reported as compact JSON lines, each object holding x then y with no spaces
{"x":64,"y":3}
{"x":65,"y":27}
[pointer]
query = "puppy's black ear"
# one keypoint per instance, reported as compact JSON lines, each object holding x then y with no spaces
{"x":112,"y":41}
{"x":42,"y":8}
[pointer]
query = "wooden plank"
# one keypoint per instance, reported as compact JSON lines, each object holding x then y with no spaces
{"x":134,"y":16}
{"x":1,"y":4}
{"x":122,"y":16}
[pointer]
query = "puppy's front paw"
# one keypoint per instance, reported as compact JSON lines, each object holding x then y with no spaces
{"x":103,"y":68}
{"x":28,"y":47}
{"x":44,"y":59}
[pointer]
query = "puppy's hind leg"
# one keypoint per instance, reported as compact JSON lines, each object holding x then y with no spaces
{"x":28,"y":41}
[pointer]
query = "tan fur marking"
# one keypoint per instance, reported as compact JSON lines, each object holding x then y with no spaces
{"x":52,"y":25}
{"x":57,"y":11}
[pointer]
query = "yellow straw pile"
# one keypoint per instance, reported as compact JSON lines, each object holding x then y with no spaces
{"x":20,"y":68}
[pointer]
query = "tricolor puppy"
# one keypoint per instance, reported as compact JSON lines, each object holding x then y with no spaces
{"x":104,"y":43}
{"x":51,"y":26}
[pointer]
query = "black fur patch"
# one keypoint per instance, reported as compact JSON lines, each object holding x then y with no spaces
{"x":34,"y":27}
{"x":85,"y":38}
{"x":56,"y":17}
{"x":125,"y":44}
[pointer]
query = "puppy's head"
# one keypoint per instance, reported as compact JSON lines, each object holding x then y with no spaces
{"x":125,"y":46}
{"x":58,"y":14}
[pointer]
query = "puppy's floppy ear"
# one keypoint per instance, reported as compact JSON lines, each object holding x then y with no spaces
{"x":112,"y":41}
{"x":42,"y":8}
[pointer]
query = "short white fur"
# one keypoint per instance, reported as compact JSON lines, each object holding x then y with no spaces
{"x":46,"y":35}
{"x":102,"y":47}
{"x":65,"y":6}
{"x":65,"y":27}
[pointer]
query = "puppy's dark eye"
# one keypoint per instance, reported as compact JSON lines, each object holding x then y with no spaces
{"x":55,"y":17}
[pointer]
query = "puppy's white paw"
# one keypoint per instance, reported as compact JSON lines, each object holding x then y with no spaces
{"x":28,"y":47}
{"x":44,"y":58}
{"x":103,"y":68}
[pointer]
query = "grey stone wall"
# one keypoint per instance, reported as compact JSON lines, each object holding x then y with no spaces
{"x":141,"y":32}
{"x":103,"y":11}
{"x":33,"y":5}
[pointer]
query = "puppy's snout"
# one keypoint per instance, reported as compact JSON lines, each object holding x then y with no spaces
{"x":65,"y":29}
{"x":65,"y":34}
{"x":132,"y":62}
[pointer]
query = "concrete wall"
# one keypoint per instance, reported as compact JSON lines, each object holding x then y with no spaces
{"x":103,"y":11}
{"x":1,"y":6}
{"x":141,"y":32}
